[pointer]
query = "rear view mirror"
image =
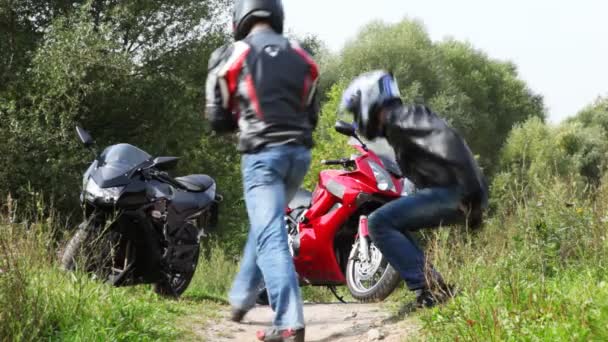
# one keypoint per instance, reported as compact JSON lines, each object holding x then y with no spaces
{"x":345,"y":128}
{"x":84,"y":136}
{"x":165,"y":163}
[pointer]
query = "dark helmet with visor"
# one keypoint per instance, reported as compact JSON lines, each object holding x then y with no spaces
{"x":247,"y":12}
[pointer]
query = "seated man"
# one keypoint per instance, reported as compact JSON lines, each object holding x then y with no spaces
{"x":450,"y":185}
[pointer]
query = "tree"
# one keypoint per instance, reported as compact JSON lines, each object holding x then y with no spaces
{"x":596,"y":114}
{"x":481,"y":97}
{"x":129,"y":71}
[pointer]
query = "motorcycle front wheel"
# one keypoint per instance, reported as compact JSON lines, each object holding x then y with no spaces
{"x":371,"y":280}
{"x":70,"y":253}
{"x":97,"y":253}
{"x":177,"y":284}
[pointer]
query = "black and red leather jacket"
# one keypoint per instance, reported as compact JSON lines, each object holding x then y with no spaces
{"x":265,"y":87}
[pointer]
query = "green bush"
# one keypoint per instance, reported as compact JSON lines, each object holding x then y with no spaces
{"x":536,"y":153}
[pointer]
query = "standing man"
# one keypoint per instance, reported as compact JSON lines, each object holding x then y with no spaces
{"x":451,"y":186}
{"x":264,"y":85}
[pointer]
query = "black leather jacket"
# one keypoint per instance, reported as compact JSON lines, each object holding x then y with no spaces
{"x":432,"y":154}
{"x":265,"y":86}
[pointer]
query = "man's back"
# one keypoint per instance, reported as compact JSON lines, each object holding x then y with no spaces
{"x":269,"y":82}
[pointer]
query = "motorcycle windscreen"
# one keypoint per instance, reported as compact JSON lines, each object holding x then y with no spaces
{"x":384,"y":151}
{"x":116,"y":162}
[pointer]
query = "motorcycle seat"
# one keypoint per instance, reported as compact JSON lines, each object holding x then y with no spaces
{"x":302,"y":199}
{"x":196,"y":183}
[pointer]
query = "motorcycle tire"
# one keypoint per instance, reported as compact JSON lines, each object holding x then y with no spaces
{"x":72,"y":249}
{"x":171,"y":289}
{"x":388,"y":282}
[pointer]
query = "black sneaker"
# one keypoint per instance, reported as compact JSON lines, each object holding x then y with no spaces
{"x":236,"y":315}
{"x":276,"y":335}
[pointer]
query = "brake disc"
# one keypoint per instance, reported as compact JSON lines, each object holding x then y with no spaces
{"x":365,"y":270}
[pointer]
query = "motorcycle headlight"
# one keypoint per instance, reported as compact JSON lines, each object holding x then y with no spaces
{"x":384,"y":182}
{"x":107,"y":195}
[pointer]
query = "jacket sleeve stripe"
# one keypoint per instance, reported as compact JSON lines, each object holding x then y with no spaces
{"x":314,"y":69}
{"x":229,"y":75}
{"x":310,"y":83}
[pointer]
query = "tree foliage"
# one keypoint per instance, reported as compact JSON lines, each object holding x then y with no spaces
{"x":483,"y":98}
{"x":129,"y":71}
{"x":537,"y":154}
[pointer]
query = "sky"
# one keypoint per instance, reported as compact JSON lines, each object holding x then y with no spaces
{"x":559,"y":46}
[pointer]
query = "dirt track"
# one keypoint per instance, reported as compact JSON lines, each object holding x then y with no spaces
{"x":324,"y":323}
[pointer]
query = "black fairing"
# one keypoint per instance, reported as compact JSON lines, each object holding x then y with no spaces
{"x":115,"y":164}
{"x":185,"y":204}
{"x":137,"y":193}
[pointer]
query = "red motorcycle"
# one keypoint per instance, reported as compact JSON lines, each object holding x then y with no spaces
{"x":327,"y":228}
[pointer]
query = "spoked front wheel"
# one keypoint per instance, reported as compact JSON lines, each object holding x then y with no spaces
{"x":371,"y":279}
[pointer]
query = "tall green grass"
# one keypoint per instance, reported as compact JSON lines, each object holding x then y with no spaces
{"x":213,"y":276}
{"x":538,"y":270}
{"x":38,"y":301}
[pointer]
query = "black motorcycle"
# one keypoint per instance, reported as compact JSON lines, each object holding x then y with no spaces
{"x":141,"y":225}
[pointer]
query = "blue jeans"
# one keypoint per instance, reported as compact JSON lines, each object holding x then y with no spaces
{"x":391,"y":227}
{"x":270,"y":179}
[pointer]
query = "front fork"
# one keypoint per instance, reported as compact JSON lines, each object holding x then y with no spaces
{"x":362,"y":244}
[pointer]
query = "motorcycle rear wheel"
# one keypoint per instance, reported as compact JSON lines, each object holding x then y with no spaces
{"x":373,"y":280}
{"x":94,"y":253}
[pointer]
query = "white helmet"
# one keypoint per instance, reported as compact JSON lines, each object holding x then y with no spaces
{"x":366,"y":96}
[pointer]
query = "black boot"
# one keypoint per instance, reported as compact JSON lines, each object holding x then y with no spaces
{"x":430,"y":297}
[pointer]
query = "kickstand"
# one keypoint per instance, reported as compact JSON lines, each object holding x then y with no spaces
{"x":335,"y":292}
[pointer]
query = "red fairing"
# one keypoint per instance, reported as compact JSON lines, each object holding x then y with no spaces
{"x":334,"y":201}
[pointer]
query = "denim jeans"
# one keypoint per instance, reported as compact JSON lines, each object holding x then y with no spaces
{"x":391,"y":227}
{"x":271,"y":178}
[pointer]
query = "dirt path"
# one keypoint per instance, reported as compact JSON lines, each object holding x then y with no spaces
{"x":324,"y":323}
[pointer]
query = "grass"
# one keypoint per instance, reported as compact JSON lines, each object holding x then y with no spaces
{"x":39,"y":301}
{"x":213,"y":276}
{"x":536,"y":272}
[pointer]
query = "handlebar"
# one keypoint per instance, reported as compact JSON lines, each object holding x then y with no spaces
{"x":343,"y":162}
